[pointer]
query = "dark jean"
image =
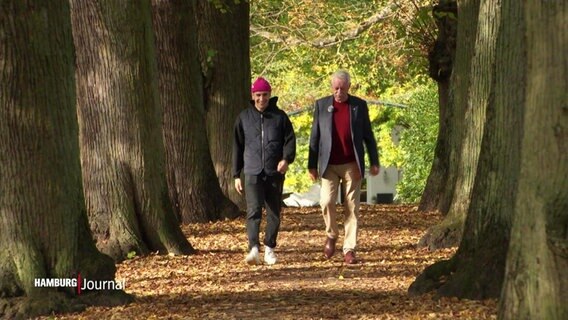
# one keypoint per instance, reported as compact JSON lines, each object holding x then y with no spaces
{"x":263,"y":191}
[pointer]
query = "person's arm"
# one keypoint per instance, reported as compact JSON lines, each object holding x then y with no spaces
{"x":289,"y":141}
{"x":370,"y":141}
{"x":314,"y":145}
{"x":238,"y":150}
{"x":289,"y":148}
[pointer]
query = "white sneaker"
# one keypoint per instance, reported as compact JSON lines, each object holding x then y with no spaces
{"x":269,"y":255}
{"x":253,"y":257}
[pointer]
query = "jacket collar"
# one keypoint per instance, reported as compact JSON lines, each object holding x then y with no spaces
{"x":329,"y":101}
{"x":353,"y":107}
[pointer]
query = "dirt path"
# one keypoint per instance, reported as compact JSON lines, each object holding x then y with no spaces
{"x":216,"y":284}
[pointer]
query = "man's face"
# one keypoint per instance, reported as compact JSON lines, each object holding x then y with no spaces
{"x":340,"y":89}
{"x":260,"y":99}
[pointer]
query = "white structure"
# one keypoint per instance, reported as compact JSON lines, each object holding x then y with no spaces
{"x":382,"y":187}
{"x":307,"y":199}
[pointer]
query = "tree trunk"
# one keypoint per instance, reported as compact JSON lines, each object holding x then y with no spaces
{"x":441,"y":59}
{"x":536,"y":277}
{"x":120,"y":130}
{"x":42,"y":211}
{"x":477,"y":269}
{"x":448,"y":232}
{"x":192,"y":183}
{"x":223,"y":37}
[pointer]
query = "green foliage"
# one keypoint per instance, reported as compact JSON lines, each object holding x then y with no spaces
{"x":415,"y":151}
{"x":297,"y":178}
{"x":384,"y":120}
{"x":131,"y":255}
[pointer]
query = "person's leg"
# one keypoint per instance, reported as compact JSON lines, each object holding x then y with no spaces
{"x":255,"y":199}
{"x":352,"y":182}
{"x":273,"y":197}
{"x":328,"y":199}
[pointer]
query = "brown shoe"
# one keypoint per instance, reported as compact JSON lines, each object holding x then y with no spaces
{"x":329,"y":248}
{"x":350,"y":257}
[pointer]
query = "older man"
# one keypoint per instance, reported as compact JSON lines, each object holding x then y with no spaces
{"x":340,"y":128}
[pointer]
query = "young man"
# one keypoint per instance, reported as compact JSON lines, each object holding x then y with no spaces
{"x":340,"y":127}
{"x":264,"y":145}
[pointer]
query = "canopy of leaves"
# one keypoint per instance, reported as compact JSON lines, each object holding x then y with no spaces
{"x":297,"y":44}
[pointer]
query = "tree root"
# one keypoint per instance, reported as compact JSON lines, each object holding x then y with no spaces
{"x":443,"y":235}
{"x":432,"y":278}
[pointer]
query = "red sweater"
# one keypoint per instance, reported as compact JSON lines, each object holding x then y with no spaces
{"x":341,"y":143}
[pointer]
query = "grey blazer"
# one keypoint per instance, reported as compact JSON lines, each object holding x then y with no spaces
{"x":361,"y":133}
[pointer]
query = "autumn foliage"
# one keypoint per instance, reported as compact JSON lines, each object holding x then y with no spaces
{"x":217,"y":284}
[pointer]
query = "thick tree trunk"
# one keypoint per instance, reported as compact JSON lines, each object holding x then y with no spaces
{"x":536,"y":280}
{"x":223,"y":37}
{"x":477,"y":269}
{"x":120,"y":130}
{"x":441,"y":59}
{"x":43,"y":224}
{"x":192,"y":182}
{"x":457,"y":99}
{"x":481,"y":76}
{"x":448,"y":232}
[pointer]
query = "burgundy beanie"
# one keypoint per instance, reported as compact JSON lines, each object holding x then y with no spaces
{"x":260,"y":84}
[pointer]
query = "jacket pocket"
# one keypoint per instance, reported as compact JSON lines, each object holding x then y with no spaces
{"x":274,"y":133}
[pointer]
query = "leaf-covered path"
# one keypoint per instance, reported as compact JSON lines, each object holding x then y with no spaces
{"x":217,"y":284}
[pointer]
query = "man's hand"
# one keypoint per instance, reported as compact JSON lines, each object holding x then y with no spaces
{"x":239,"y":186}
{"x":282,"y":166}
{"x":374,"y":170}
{"x":313,"y":174}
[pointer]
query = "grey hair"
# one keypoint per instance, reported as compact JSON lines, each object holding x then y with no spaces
{"x":341,"y":74}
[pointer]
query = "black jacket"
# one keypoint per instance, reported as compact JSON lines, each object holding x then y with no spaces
{"x":262,"y":139}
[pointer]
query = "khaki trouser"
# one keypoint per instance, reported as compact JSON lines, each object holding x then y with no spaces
{"x":350,"y":178}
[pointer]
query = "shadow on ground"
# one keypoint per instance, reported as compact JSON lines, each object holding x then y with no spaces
{"x":215,"y":283}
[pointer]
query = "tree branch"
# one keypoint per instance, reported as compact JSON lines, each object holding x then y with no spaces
{"x":327,"y":41}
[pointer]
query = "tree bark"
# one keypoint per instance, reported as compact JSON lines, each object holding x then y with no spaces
{"x":478,"y":95}
{"x":120,"y":130}
{"x":223,"y":37}
{"x":43,"y":223}
{"x":192,"y":183}
{"x":477,"y":269}
{"x":448,"y":232}
{"x":441,"y":59}
{"x":536,"y":277}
